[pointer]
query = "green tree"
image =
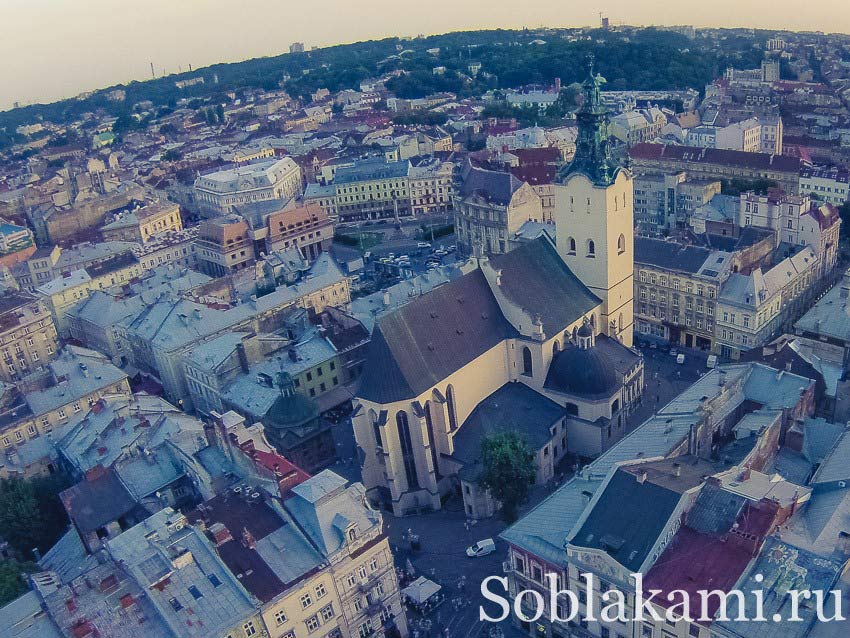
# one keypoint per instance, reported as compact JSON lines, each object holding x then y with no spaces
{"x":31,"y":515}
{"x":12,"y":582}
{"x":172,"y":155}
{"x":508,"y":471}
{"x":568,"y":101}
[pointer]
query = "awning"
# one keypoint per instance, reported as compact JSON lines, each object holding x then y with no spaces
{"x":421,"y":590}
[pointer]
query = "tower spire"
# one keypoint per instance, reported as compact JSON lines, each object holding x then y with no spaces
{"x":593,"y":157}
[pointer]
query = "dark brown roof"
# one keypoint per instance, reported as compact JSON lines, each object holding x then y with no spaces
{"x":425,"y":341}
{"x":420,"y":344}
{"x":671,"y":152}
{"x":494,"y":186}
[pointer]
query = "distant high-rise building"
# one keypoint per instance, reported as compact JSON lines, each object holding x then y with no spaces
{"x":296,"y":47}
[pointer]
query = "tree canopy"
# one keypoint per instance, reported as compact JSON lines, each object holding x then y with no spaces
{"x":508,"y":471}
{"x":12,"y":583}
{"x":637,"y":59}
{"x":31,"y":514}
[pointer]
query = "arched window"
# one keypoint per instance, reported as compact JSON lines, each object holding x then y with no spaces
{"x":450,"y":404}
{"x":615,"y":406}
{"x":571,"y":246}
{"x":620,"y":323}
{"x":429,"y":424}
{"x":376,"y":429}
{"x":352,"y":534}
{"x":572,"y":409}
{"x":591,"y":248}
{"x":621,"y":244}
{"x":527,"y":368}
{"x":406,"y":449}
{"x":556,"y":347}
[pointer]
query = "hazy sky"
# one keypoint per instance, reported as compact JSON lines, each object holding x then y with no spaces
{"x":50,"y":49}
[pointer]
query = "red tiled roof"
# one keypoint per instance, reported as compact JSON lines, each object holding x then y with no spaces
{"x":650,"y":151}
{"x":694,"y":562}
{"x":539,"y":174}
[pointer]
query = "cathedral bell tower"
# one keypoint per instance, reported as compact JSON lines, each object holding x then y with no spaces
{"x":594,"y":216}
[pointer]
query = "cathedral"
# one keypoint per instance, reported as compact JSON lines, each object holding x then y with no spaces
{"x":535,"y":341}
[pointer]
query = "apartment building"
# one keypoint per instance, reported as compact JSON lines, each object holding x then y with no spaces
{"x":748,"y":313}
{"x":677,"y":289}
{"x":28,"y":337}
{"x":714,"y":164}
{"x":797,"y":220}
{"x":745,"y":136}
{"x":157,"y":336}
{"x":599,"y":522}
{"x":241,"y":565}
{"x":639,"y":125}
{"x":72,"y":382}
{"x":276,"y":226}
{"x":349,"y":537}
{"x":224,"y":245}
{"x":97,"y":321}
{"x":66,"y":291}
{"x":431,"y":187}
{"x":219,"y":192}
{"x":830,"y":185}
{"x":490,"y":207}
{"x":664,"y":202}
{"x":143,"y":224}
{"x":373,"y":189}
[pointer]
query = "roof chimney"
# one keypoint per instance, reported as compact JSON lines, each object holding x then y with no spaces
{"x":677,"y":469}
{"x":220,"y":534}
{"x":641,"y":477}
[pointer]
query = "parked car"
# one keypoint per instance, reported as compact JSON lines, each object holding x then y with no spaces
{"x":680,"y":358}
{"x":711,"y":361}
{"x":423,"y":244}
{"x":481,"y":548}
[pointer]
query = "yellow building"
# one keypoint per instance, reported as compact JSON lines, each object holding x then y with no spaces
{"x":142,"y":224}
{"x":444,"y":370}
{"x":28,"y":337}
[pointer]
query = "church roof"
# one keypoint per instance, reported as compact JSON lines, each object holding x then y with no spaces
{"x":586,"y":373}
{"x":535,"y":278}
{"x":428,"y":339}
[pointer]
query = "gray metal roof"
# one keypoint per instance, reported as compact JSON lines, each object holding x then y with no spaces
{"x":24,"y":618}
{"x":829,"y":317}
{"x":324,"y":506}
{"x":512,"y":408}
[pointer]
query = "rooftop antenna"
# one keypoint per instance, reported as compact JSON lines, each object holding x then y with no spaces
{"x":153,"y":75}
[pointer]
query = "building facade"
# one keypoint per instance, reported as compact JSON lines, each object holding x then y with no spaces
{"x":219,"y":192}
{"x":490,"y":207}
{"x":676,"y":292}
{"x":665,"y":202}
{"x":28,"y":338}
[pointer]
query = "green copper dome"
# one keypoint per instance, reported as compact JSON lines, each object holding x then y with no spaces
{"x":592,"y":157}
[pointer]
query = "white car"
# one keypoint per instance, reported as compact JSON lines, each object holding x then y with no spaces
{"x":481,"y":548}
{"x":680,"y":358}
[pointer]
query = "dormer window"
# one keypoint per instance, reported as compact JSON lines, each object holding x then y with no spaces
{"x":352,"y":534}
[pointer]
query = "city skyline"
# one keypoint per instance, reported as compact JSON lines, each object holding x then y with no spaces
{"x":173,"y":37}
